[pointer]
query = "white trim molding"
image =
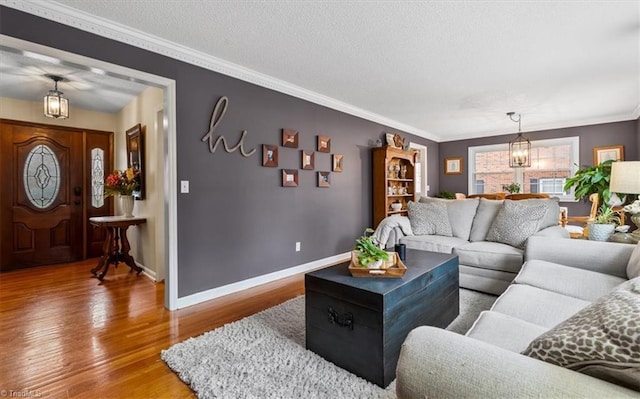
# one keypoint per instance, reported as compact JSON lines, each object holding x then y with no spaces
{"x":112,"y":30}
{"x":256,"y":281}
{"x":146,"y":271}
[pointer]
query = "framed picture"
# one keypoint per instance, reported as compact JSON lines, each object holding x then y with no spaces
{"x":337,"y":162}
{"x":289,"y":178}
{"x":289,"y":138}
{"x":135,"y":157}
{"x":324,"y":144}
{"x":323,"y":179}
{"x":269,"y":155}
{"x":307,"y":159}
{"x":612,"y":152}
{"x":453,"y":166}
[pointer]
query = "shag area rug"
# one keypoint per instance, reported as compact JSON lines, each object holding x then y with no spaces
{"x":264,"y":356}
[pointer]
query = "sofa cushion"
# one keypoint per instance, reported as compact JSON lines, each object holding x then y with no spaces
{"x":602,"y":340}
{"x":515,"y":222}
{"x":578,"y":283}
{"x":461,"y":213}
{"x":633,"y":267}
{"x":537,"y":306}
{"x":431,"y":218}
{"x":505,"y":331}
{"x":433,"y":243}
{"x":487,"y":211}
{"x":490,"y":255}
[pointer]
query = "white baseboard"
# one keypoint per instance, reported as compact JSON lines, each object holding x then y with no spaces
{"x":146,"y":271}
{"x":200,"y":297}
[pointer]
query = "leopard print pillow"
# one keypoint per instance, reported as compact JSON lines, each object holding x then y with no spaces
{"x":429,"y":218}
{"x":602,"y":340}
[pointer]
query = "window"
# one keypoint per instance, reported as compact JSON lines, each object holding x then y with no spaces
{"x":552,"y":162}
{"x":552,"y":186}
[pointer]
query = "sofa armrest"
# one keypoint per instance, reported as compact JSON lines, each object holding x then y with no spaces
{"x":436,"y":363}
{"x":553,"y":231}
{"x":598,"y":256}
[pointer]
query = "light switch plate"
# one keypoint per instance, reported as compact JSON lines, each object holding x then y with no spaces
{"x":184,"y":186}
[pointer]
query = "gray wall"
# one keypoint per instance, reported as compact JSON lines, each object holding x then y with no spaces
{"x":625,"y":133}
{"x":238,"y":222}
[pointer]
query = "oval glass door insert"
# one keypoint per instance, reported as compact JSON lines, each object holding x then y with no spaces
{"x":41,"y":176}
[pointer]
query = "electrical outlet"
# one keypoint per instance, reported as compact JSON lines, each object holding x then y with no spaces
{"x":298,"y":246}
{"x":184,"y":186}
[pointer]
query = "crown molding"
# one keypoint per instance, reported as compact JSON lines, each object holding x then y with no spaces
{"x":66,"y":15}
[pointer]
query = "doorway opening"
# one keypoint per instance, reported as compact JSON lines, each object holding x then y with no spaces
{"x":163,"y":122}
{"x":422,"y":186}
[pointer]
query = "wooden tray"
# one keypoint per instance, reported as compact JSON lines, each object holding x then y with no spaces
{"x":393,"y":268}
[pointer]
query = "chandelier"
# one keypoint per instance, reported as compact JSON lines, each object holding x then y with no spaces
{"x":56,"y":106}
{"x":520,"y":147}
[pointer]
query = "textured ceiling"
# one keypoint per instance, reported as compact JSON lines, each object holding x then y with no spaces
{"x":449,"y":69}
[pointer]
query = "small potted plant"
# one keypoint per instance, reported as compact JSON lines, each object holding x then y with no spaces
{"x":446,"y":195}
{"x":604,"y":224}
{"x":368,"y":253}
{"x":513,"y":188}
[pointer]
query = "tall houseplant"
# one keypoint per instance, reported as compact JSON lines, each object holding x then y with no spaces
{"x":590,"y":180}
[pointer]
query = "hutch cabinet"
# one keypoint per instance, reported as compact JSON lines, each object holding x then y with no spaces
{"x":393,"y":181}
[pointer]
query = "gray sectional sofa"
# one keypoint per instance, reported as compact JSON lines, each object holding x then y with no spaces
{"x":485,"y":235}
{"x":572,"y":302}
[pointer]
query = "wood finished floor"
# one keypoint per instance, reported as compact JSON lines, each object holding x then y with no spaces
{"x":63,"y":334}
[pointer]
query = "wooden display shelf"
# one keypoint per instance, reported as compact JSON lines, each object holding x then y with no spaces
{"x":383,"y":159}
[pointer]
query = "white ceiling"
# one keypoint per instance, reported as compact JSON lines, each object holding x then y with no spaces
{"x":446,"y":69}
{"x":23,"y":76}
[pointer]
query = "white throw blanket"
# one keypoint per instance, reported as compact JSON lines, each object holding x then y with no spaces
{"x":385,"y":228}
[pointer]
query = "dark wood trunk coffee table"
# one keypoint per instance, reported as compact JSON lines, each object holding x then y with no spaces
{"x":360,"y":323}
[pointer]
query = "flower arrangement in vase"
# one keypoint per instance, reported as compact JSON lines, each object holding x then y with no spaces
{"x":122,"y":182}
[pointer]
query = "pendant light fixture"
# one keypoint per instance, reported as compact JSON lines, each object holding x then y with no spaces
{"x":520,"y":147}
{"x":56,"y":106}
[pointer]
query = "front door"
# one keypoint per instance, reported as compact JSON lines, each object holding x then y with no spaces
{"x":43,"y":196}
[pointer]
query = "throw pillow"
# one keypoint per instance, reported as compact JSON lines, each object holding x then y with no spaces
{"x":429,"y":218}
{"x":485,"y":215}
{"x":461,"y":213}
{"x":633,"y":267}
{"x":515,"y":223}
{"x":602,"y":340}
{"x":552,"y":210}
